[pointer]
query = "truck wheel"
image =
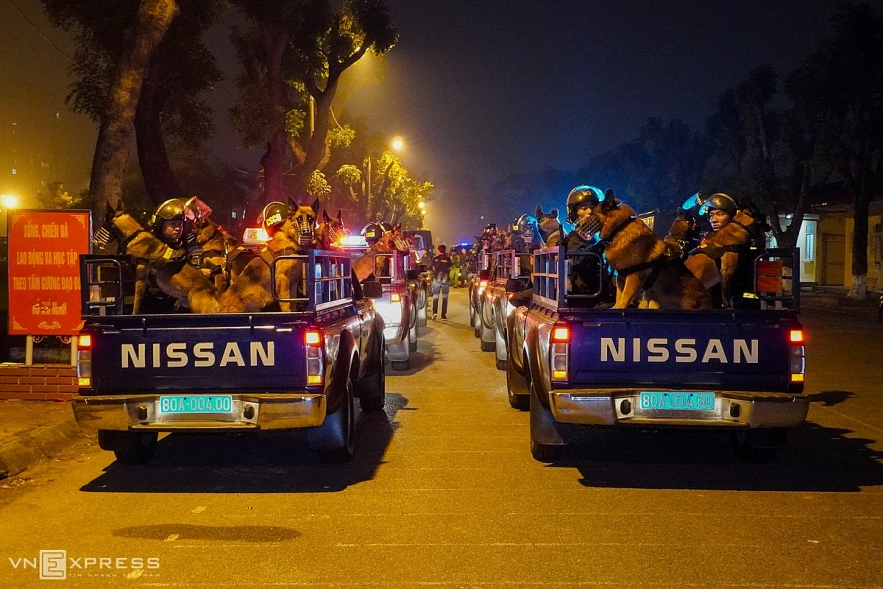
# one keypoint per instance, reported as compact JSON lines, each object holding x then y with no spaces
{"x":412,"y":346}
{"x":372,"y":391}
{"x":759,"y":445}
{"x":334,"y":439}
{"x":401,"y":365}
{"x":501,"y":364}
{"x":488,"y":346}
{"x":129,"y":447}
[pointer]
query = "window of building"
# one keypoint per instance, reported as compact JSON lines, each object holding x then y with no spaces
{"x":809,"y":243}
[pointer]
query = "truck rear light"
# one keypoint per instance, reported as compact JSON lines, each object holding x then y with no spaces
{"x":395,"y":297}
{"x":482,"y":284}
{"x":315,"y":363}
{"x":558,"y":360}
{"x":561,"y":334}
{"x":84,"y":360}
{"x":313,"y":338}
{"x":797,"y":355}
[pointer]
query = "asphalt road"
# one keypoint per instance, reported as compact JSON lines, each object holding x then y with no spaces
{"x":443,"y":493}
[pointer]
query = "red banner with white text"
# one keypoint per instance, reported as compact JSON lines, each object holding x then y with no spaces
{"x":44,"y":270}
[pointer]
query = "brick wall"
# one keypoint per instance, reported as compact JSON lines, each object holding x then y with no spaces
{"x":44,"y":382}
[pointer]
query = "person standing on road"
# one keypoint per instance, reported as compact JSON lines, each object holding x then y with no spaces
{"x":455,"y":270}
{"x":441,"y":276}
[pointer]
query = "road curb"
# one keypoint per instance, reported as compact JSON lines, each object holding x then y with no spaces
{"x":31,"y":446}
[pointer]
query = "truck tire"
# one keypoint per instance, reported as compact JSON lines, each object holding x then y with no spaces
{"x":501,"y":364}
{"x":401,"y":365}
{"x":488,"y":346}
{"x":129,"y":447}
{"x":334,"y":439}
{"x":759,"y":445}
{"x":543,"y":430}
{"x":372,"y":391}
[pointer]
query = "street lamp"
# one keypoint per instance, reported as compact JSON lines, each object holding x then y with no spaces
{"x":7,"y":201}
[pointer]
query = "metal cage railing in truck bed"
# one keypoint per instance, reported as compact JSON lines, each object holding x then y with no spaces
{"x":510,"y":264}
{"x":552,"y":272}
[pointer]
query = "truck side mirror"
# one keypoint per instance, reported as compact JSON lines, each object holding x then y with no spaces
{"x":516,"y":285}
{"x":413,"y":274}
{"x":372,"y":289}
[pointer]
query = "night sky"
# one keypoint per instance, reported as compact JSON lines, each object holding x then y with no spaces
{"x":483,"y":89}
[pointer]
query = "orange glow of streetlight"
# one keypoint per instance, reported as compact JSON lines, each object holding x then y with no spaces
{"x":397,"y":143}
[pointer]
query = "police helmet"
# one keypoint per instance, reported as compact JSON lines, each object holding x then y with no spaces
{"x":374,"y":231}
{"x":171,"y":210}
{"x":588,"y":195}
{"x":719,"y":201}
{"x":490,"y":229}
{"x":524,"y":222}
{"x":274,"y":214}
{"x":199,"y":208}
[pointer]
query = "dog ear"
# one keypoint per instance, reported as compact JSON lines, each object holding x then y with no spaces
{"x":316,"y":207}
{"x":610,"y":201}
{"x":554,"y":214}
{"x":539,"y":211}
{"x":339,"y":218}
{"x":325,"y":216}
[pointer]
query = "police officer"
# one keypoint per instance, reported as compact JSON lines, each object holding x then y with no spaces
{"x":720,"y":209}
{"x":172,"y":223}
{"x":579,"y":206}
{"x":441,"y":272}
{"x":586,"y":270}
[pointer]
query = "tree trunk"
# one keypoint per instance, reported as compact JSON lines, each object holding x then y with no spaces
{"x":115,"y":133}
{"x":859,"y":288}
{"x":159,"y":178}
{"x":274,"y":159}
{"x":273,"y":162}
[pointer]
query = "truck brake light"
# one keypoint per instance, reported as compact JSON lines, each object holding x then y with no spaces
{"x":559,"y":352}
{"x":314,"y":359}
{"x":84,"y":361}
{"x":395,"y":297}
{"x":561,"y":334}
{"x":798,"y":356}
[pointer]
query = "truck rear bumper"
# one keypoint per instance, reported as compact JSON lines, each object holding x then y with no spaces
{"x":249,"y":412}
{"x":732,"y":410}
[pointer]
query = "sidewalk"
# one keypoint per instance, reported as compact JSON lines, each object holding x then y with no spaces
{"x":31,"y":431}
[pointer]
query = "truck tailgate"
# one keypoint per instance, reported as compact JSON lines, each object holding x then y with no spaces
{"x":709,"y":350}
{"x":178,"y":353}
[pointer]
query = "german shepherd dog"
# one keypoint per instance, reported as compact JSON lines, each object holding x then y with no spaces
{"x":252,"y":290}
{"x":550,"y":228}
{"x":729,"y":245}
{"x":153,"y":258}
{"x":364,"y":266}
{"x":643,"y":270}
{"x":223,"y":256}
{"x":329,"y":232}
{"x":683,"y":236}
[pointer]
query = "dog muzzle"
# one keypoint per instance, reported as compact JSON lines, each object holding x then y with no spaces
{"x":588,"y":226}
{"x":102,"y":238}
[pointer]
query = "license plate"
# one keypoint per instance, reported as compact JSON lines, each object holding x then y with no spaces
{"x":676,"y":401}
{"x":196,"y":404}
